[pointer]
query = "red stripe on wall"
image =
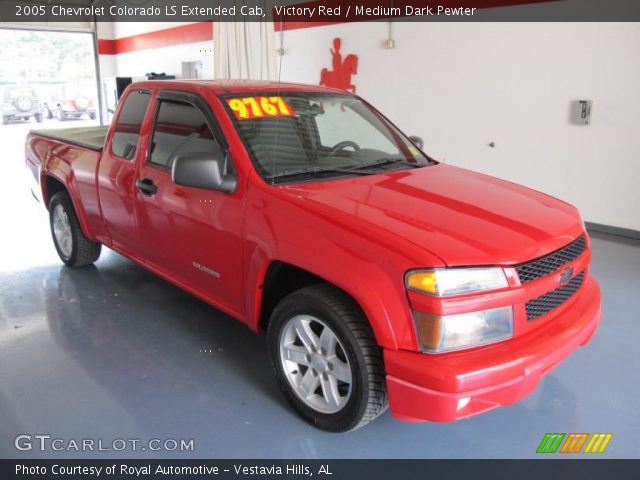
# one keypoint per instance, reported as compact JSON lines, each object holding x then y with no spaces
{"x":106,"y":47}
{"x":203,"y":31}
{"x":293,"y":22}
{"x":183,"y":34}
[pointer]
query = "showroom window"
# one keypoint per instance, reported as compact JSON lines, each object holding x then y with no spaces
{"x":180,"y":128}
{"x":127,"y":130}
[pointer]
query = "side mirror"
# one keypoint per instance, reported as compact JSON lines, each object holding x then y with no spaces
{"x":417,"y":141}
{"x":202,"y":170}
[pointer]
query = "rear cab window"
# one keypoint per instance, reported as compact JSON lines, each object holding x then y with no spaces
{"x":127,"y":129}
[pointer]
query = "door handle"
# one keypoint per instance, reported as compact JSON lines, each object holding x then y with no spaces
{"x":147,"y":187}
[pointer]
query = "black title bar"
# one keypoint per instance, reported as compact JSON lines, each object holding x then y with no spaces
{"x":320,"y":469}
{"x":316,"y":11}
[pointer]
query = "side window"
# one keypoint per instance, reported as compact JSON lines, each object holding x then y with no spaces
{"x":180,"y":128}
{"x":127,"y":130}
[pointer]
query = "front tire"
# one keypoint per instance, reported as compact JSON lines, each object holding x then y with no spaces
{"x":73,"y":248}
{"x":326,"y":359}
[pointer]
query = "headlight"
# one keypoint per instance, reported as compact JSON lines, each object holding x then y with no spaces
{"x":443,"y":282}
{"x":443,"y":333}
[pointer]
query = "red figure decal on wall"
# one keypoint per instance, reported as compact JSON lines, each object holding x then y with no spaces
{"x":340,"y":76}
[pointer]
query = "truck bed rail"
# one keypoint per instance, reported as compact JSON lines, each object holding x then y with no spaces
{"x":87,"y":137}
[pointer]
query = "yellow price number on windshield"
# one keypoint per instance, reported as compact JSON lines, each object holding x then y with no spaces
{"x":247,"y":108}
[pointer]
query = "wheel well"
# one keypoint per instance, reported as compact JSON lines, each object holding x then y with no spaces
{"x":280,"y":280}
{"x":51,"y":187}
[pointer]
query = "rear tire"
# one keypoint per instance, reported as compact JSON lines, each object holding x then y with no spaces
{"x":73,"y":248}
{"x":326,"y":359}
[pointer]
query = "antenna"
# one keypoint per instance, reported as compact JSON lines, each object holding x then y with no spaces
{"x":275,"y":137}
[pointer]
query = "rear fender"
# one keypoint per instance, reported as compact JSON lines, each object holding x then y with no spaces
{"x":65,"y":178}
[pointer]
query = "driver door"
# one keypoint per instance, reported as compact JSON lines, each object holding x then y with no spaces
{"x":192,"y":234}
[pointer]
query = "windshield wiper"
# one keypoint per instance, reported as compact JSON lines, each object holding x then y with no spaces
{"x":388,"y":161}
{"x":356,"y":170}
{"x":316,"y":171}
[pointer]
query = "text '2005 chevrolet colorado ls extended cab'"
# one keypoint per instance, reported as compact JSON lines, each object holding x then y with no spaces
{"x":382,"y":277}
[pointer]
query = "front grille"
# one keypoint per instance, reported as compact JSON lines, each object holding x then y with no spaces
{"x":543,"y":266}
{"x":549,"y":301}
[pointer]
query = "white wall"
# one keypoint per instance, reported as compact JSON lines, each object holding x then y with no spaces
{"x":107,"y":63}
{"x":165,"y":59}
{"x":463,"y":85}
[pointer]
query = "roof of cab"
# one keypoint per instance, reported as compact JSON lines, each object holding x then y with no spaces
{"x":223,"y":87}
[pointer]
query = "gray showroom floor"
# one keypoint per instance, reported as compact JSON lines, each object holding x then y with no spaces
{"x":111,"y":351}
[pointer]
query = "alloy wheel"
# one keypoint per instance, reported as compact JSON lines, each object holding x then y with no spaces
{"x":315,"y":364}
{"x":62,"y":231}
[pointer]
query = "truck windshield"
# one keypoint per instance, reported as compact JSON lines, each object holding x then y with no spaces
{"x":301,"y":136}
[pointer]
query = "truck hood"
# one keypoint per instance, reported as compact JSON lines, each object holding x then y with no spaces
{"x":463,"y":217}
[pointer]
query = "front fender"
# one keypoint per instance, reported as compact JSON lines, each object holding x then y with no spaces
{"x":365,"y":266}
{"x":373,"y":290}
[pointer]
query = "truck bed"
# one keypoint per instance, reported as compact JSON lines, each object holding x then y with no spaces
{"x":87,"y":137}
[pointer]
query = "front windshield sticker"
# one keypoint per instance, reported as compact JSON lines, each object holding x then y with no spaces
{"x":247,"y":108}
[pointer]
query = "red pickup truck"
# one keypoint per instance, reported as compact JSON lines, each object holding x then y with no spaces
{"x":381,"y":277}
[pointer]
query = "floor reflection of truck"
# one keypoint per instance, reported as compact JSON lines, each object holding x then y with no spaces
{"x":20,"y":103}
{"x":73,"y":102}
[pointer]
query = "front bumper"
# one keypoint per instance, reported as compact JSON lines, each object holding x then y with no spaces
{"x":448,"y":387}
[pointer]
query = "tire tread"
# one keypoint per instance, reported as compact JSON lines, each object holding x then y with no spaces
{"x":355,"y":321}
{"x":85,"y":251}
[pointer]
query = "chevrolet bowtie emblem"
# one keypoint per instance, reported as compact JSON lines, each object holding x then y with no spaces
{"x":566,"y":275}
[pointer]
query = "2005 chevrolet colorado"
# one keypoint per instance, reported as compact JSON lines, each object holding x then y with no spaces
{"x":381,"y":276}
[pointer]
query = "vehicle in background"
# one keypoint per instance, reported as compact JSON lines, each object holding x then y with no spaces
{"x":20,"y":102}
{"x":74,"y":107}
{"x":71,"y":101}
